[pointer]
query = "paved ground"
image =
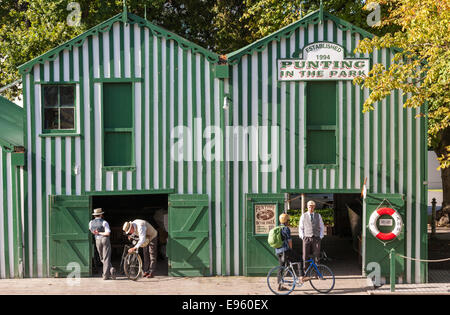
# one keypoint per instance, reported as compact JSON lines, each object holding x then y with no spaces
{"x":167,"y":286}
{"x":344,"y":263}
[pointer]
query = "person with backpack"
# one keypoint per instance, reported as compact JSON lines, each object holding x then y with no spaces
{"x":284,"y":252}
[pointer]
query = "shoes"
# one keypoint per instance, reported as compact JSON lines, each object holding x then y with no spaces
{"x":113,"y":273}
{"x":148,"y":275}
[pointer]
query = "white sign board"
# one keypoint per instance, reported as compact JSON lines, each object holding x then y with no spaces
{"x":322,"y":61}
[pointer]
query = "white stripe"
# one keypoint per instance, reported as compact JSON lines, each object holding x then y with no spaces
{"x":418,"y":194}
{"x":393,"y":167}
{"x":283,"y":122}
{"x":401,"y":161}
{"x":180,"y":116}
{"x":236,"y":176}
{"x":137,"y":51}
{"x":106,"y":57}
{"x":208,"y":163}
{"x":57,"y":161}
{"x":129,"y":180}
{"x":172,"y":108}
{"x":126,"y":46}
{"x":56,"y":71}
{"x":66,"y":65}
{"x":190,"y":168}
{"x":383,"y":135}
{"x":375,"y":131}
{"x":78,"y":165}
{"x":245,"y":142}
{"x":96,"y":57}
{"x":301,"y":143}
{"x":68,"y":161}
{"x":97,"y":136}
{"x":265,"y":122}
{"x":87,"y":125}
{"x":367,"y":143}
{"x":254,"y":119}
{"x":217,"y":185}
{"x":310,"y":33}
{"x":349,"y":156}
{"x":155,"y":114}
{"x":38,"y":172}
{"x":30,"y":182}
{"x":330,"y":30}
{"x":119,"y":180}
{"x":9,"y":195}
{"x":198,"y":89}
{"x":116,"y":33}
{"x":409,"y":196}
{"x":109,"y":181}
{"x":274,"y":113}
{"x":293,"y":160}
{"x":147,"y":108}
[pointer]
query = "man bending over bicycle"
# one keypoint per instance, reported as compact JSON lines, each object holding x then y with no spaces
{"x":284,"y":253}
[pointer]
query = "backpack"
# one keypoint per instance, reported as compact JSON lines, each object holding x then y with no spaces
{"x":275,"y":238}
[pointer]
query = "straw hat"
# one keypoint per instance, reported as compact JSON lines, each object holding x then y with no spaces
{"x":97,"y":211}
{"x":127,"y":226}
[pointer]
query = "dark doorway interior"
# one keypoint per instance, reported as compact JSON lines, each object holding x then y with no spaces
{"x":342,"y":241}
{"x":121,"y":208}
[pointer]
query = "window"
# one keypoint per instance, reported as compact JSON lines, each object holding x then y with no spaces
{"x":117,"y":124}
{"x":321,"y":129}
{"x":59,"y":107}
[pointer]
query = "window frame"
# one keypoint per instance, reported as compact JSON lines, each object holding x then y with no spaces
{"x":132,"y":165}
{"x":334,"y":128}
{"x":43,"y":107}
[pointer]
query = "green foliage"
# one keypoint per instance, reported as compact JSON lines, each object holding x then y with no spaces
{"x":421,"y":67}
{"x":327,"y":216}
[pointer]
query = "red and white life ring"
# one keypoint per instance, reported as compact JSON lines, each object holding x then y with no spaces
{"x":373,"y":224}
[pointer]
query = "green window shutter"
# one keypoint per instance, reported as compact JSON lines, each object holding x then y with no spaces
{"x":118,"y":124}
{"x":321,"y":113}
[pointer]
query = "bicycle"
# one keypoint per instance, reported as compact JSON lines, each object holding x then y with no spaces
{"x":131,"y":263}
{"x":283,"y":279}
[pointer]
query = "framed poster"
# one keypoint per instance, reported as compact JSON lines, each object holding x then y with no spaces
{"x":265,"y":218}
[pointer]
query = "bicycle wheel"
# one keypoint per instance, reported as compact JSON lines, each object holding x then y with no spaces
{"x":281,"y":280}
{"x":132,"y":266}
{"x":322,"y":279}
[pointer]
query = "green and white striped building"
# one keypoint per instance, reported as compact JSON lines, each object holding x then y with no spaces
{"x":102,"y":118}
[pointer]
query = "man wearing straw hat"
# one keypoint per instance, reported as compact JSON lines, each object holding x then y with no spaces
{"x":100,"y":228}
{"x":147,"y":240}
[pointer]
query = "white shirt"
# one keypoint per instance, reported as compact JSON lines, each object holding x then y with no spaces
{"x":301,"y":228}
{"x":140,"y":229}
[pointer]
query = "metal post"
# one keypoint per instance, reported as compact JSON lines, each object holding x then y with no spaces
{"x":392,"y":279}
{"x":433,"y":217}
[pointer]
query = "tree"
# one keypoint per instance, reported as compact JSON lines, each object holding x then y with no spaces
{"x":421,"y":68}
{"x":267,"y":16}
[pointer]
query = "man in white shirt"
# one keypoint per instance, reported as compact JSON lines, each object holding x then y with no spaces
{"x":147,"y":240}
{"x":310,"y":230}
{"x":100,"y":228}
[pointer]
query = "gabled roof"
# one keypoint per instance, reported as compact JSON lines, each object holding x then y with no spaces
{"x":315,"y":17}
{"x":106,"y":26}
{"x":11,"y":124}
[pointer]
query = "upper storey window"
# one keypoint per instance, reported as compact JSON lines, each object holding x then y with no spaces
{"x":59,"y":108}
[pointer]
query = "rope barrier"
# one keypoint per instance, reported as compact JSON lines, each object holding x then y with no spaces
{"x":423,"y":260}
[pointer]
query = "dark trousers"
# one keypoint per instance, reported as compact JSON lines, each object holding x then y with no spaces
{"x":284,"y":258}
{"x":311,"y":248}
{"x":150,"y":256}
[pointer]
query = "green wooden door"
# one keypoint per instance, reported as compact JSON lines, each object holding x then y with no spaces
{"x":70,"y":239}
{"x":262,"y":214}
{"x":376,"y":250}
{"x":188,"y":243}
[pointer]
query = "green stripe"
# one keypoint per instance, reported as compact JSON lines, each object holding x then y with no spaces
{"x":91,"y":114}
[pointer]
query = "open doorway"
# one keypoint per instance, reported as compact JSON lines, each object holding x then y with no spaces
{"x":342,"y":216}
{"x":121,"y":208}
